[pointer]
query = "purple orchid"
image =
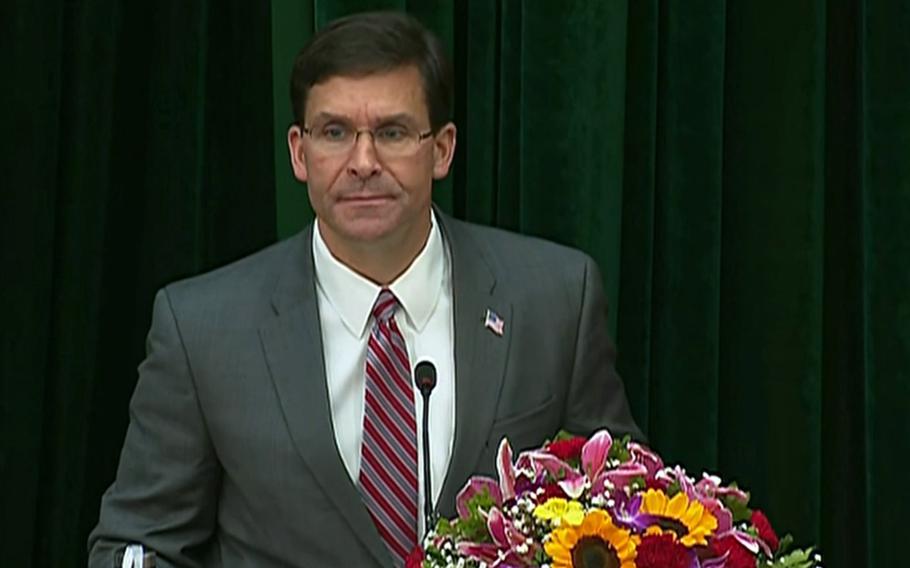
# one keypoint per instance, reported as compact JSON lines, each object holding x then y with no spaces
{"x":719,"y":562}
{"x":525,"y":484}
{"x":626,"y":511}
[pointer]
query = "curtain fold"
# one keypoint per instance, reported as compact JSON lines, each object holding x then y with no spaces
{"x":884,"y":167}
{"x":685,"y":236}
{"x":136,"y":151}
{"x":771,"y":273}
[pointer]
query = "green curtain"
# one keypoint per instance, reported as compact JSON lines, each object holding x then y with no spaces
{"x":135,"y":150}
{"x":740,"y":170}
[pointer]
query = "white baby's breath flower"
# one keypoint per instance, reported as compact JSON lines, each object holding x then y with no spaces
{"x":712,"y":478}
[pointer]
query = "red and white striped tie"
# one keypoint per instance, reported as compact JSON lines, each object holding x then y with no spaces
{"x":388,"y":456}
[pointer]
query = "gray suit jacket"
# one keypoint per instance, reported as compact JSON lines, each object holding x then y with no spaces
{"x":230,"y":456}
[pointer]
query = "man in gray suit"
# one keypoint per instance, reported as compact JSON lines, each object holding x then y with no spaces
{"x":274,"y":420}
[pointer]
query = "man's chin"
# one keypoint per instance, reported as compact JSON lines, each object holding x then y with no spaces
{"x":375,"y":228}
{"x":368,"y":231}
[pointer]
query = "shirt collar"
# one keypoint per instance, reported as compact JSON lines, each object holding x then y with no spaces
{"x":352,"y":296}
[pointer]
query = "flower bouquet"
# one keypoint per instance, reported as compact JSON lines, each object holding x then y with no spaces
{"x":602,"y":503}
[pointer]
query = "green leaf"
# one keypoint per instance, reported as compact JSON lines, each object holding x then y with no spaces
{"x":474,"y":527}
{"x":740,"y":509}
{"x":796,"y":559}
{"x":637,"y":484}
{"x":562,"y":435}
{"x":541,"y":557}
{"x":785,"y":543}
{"x":620,"y":449}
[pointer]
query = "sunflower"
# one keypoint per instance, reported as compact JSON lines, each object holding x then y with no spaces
{"x":687,"y":519}
{"x":596,"y":543}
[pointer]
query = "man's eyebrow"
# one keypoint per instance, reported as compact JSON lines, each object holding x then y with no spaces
{"x":329,"y":117}
{"x":401,"y":117}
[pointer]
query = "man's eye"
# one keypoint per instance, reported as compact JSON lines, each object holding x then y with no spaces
{"x":334,"y":133}
{"x":392,"y":134}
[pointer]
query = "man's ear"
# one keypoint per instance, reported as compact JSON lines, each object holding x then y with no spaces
{"x":443,"y":150}
{"x":295,"y":147}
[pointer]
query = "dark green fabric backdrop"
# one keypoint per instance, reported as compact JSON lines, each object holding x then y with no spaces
{"x":740,"y":170}
{"x":136,"y":149}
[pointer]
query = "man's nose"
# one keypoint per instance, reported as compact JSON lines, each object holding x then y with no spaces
{"x":363,"y":162}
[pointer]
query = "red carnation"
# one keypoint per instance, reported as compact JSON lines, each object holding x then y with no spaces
{"x":415,"y":558}
{"x":763,"y":525}
{"x":567,"y":449}
{"x":662,"y":551}
{"x":740,"y":557}
{"x":551,"y":490}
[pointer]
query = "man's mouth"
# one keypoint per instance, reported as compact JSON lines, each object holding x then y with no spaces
{"x":367,"y":199}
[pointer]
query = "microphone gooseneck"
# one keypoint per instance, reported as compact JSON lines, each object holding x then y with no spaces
{"x":425,"y":380}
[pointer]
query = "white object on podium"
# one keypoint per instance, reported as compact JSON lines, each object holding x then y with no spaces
{"x":135,"y":556}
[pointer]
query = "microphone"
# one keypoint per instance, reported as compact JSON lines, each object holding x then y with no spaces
{"x":425,"y":379}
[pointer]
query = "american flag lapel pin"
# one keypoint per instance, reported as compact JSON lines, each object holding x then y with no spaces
{"x":494,"y":323}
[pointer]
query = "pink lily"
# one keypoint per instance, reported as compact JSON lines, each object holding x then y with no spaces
{"x":503,"y":551}
{"x":647,"y":458}
{"x":594,"y":456}
{"x":751,"y":543}
{"x":536,"y":462}
{"x":503,"y":532}
{"x":593,"y":460}
{"x":594,"y":453}
{"x":505,"y":470}
{"x":708,"y":491}
{"x":475,"y":486}
{"x":619,"y":477}
{"x":499,"y":491}
{"x":710,"y":485}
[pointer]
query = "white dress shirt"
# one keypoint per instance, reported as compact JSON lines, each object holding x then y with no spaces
{"x":424,"y":292}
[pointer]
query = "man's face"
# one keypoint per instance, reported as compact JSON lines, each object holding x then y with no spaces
{"x":362,"y":196}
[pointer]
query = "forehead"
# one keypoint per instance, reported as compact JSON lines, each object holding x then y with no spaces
{"x":369,"y":97}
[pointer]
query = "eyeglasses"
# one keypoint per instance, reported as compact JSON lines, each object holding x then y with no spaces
{"x":390,"y":141}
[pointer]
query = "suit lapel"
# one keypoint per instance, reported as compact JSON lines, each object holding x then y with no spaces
{"x":292,"y":341}
{"x":480,"y":355}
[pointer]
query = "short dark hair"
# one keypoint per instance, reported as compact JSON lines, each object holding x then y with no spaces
{"x":374,"y":42}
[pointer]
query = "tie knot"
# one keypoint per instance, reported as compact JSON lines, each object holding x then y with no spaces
{"x":385,"y":305}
